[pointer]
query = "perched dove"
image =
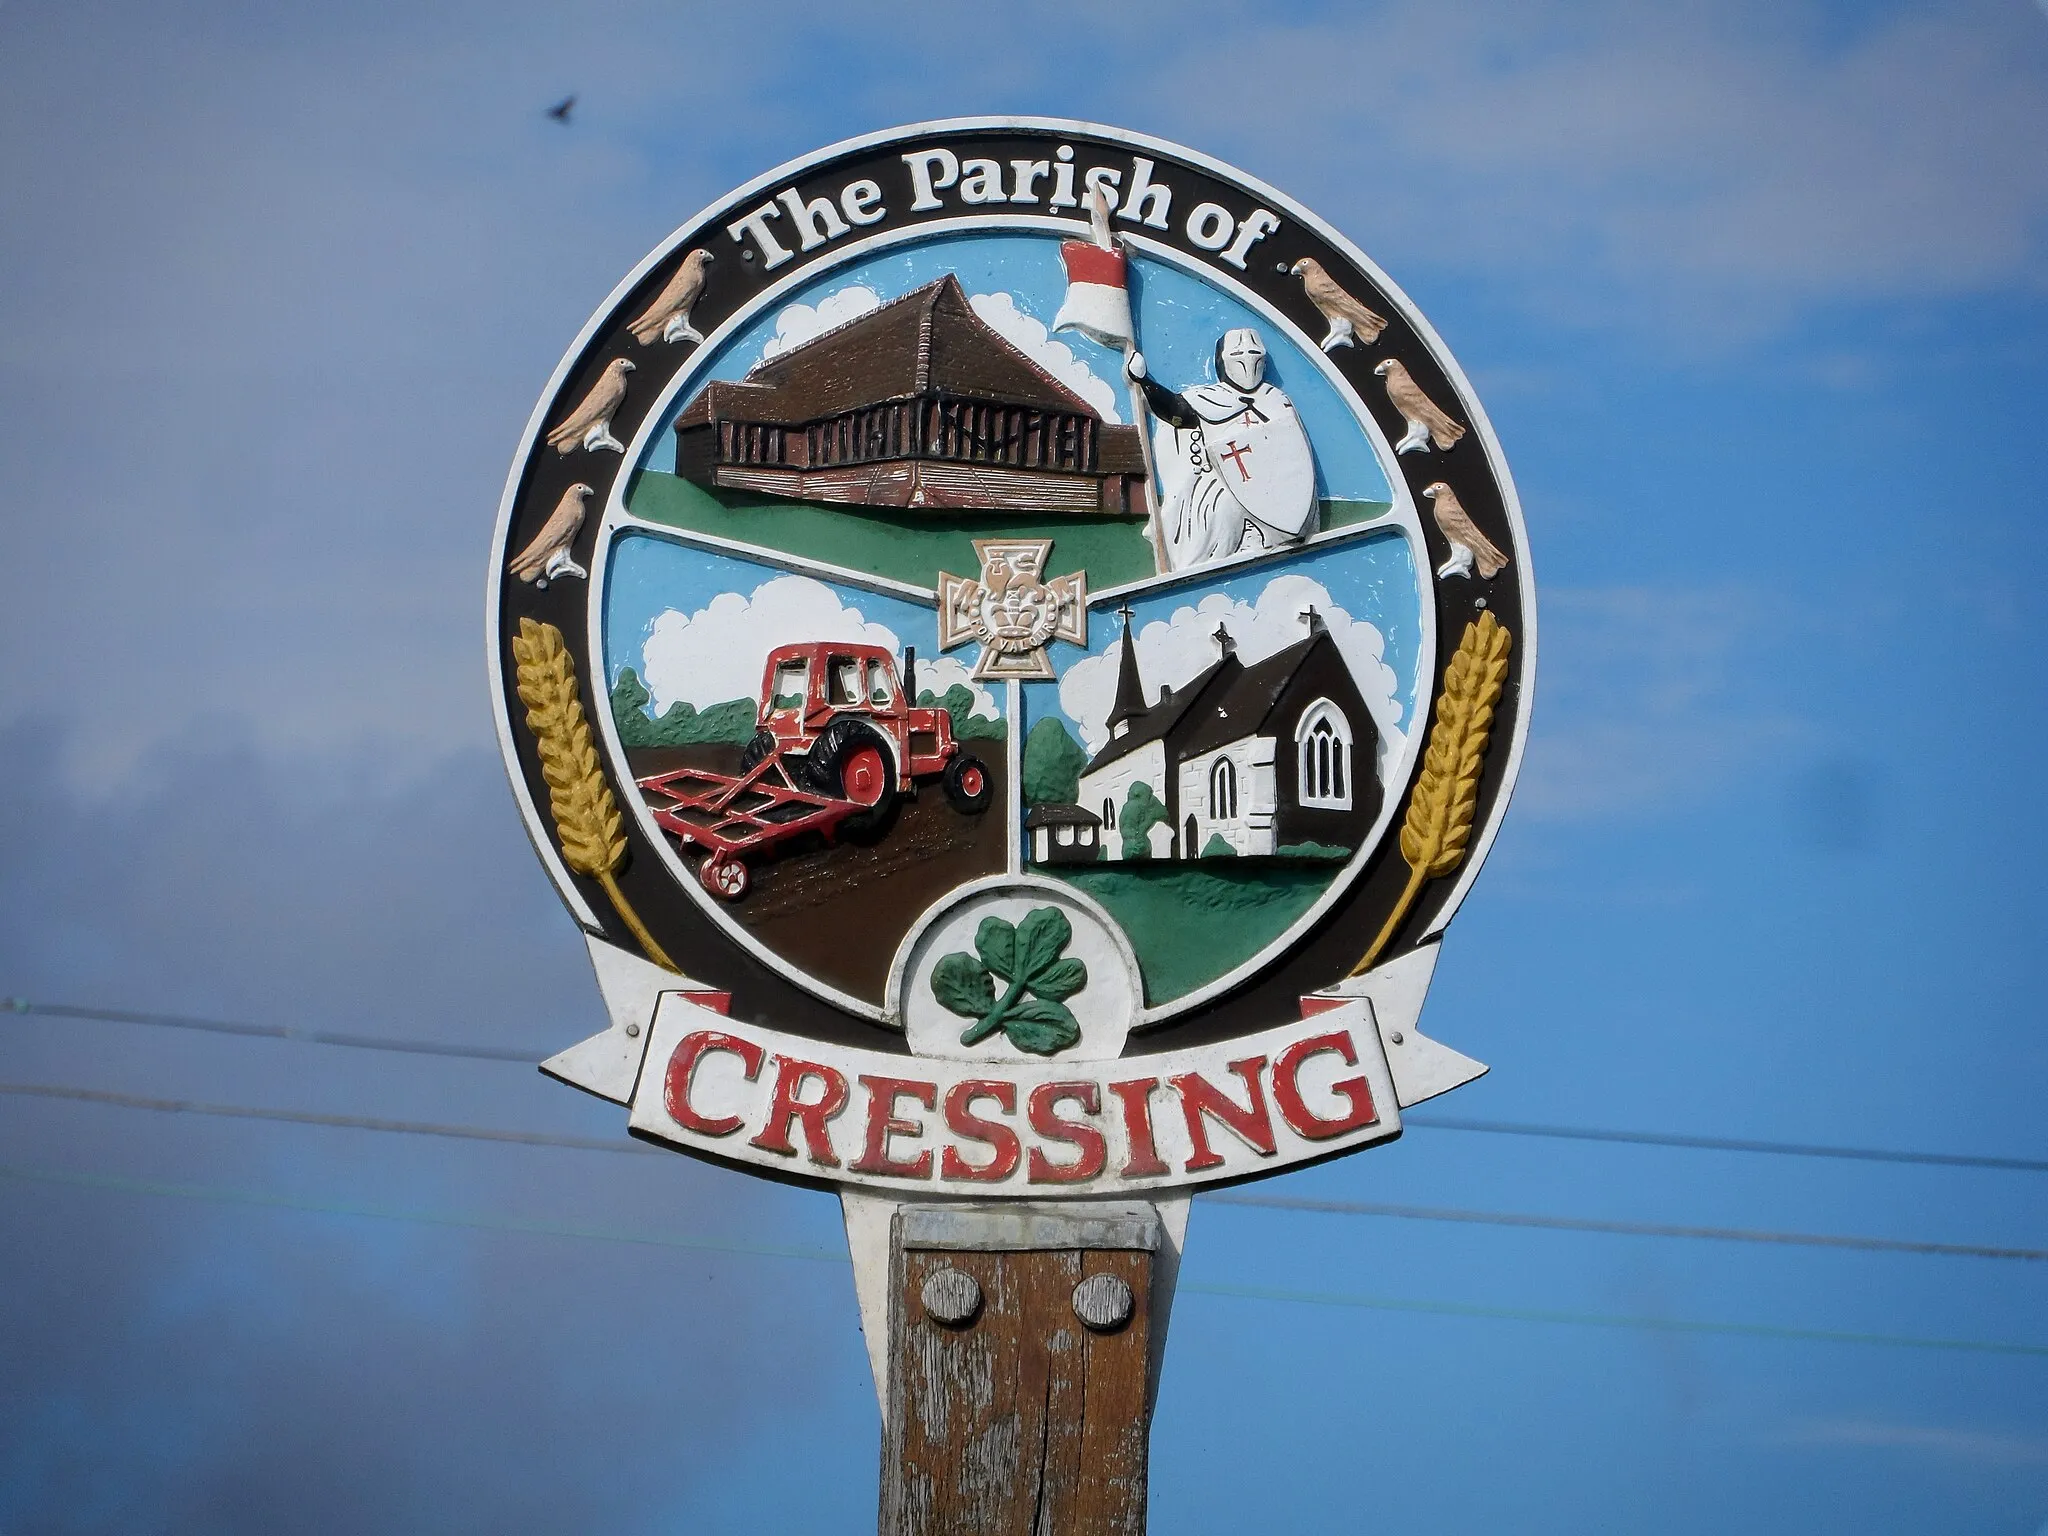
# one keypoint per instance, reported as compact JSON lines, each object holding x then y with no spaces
{"x":1351,"y":323}
{"x":548,"y":555}
{"x":590,"y":424}
{"x":1426,"y":424}
{"x":1469,"y":546}
{"x":669,"y":316}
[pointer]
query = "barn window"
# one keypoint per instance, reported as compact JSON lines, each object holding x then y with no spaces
{"x":1323,"y":739}
{"x":1223,"y":791}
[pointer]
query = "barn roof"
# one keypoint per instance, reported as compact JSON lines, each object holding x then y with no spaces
{"x":929,"y":342}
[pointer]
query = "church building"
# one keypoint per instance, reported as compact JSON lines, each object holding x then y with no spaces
{"x":921,"y":405}
{"x":1273,"y":759}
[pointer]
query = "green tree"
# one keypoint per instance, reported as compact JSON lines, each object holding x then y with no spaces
{"x":629,"y":710}
{"x":958,"y":702}
{"x":1142,"y":811}
{"x":1053,"y":761}
{"x":1216,"y":848}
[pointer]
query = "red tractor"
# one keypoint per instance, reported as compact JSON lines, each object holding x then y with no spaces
{"x":838,"y":743}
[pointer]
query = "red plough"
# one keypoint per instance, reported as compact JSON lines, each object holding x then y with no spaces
{"x":731,"y":816}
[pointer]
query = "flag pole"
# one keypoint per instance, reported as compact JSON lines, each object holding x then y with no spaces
{"x":1141,"y":417}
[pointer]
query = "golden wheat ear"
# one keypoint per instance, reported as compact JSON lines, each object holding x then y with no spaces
{"x":587,"y":818}
{"x":1437,"y":831}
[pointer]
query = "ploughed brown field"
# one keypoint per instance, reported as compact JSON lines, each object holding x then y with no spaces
{"x":839,"y":910}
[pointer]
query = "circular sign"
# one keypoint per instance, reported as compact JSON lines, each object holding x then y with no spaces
{"x":1013,"y":638}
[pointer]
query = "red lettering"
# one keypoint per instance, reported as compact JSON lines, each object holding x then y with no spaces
{"x":682,"y":1068}
{"x":1287,"y":1088}
{"x":1251,"y":1124}
{"x":883,"y":1094}
{"x":1136,"y":1097}
{"x":1094,"y":1148}
{"x":962,"y":1121}
{"x":790,"y":1074}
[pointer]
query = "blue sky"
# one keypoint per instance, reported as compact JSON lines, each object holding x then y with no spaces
{"x":1754,"y":295}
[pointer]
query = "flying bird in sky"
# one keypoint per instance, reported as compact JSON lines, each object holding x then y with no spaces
{"x":1351,"y":323}
{"x":548,"y":555}
{"x":590,"y":424}
{"x":669,"y":315}
{"x":560,"y":110}
{"x":1469,"y":546}
{"x":1426,"y":423}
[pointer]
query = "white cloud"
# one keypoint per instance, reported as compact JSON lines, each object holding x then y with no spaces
{"x":1712,"y":169}
{"x":1172,"y":652}
{"x":716,"y":654}
{"x":1000,"y":313}
{"x":799,"y":323}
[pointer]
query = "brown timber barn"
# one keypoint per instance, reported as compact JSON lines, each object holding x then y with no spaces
{"x":917,"y":404}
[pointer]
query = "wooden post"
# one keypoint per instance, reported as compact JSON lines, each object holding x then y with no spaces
{"x":1019,"y":1368}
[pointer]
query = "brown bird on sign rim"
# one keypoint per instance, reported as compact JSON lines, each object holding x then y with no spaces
{"x":590,"y":424}
{"x":1469,"y":546}
{"x":548,"y":555}
{"x":1426,"y":424}
{"x":1351,"y":323}
{"x":669,"y":315}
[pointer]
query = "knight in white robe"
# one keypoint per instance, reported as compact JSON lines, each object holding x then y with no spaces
{"x":1235,"y":463}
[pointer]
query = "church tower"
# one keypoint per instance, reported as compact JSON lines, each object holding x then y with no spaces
{"x":1130,"y":689}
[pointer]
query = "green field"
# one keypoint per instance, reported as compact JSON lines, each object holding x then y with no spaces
{"x":912,"y":547}
{"x":1193,"y":923}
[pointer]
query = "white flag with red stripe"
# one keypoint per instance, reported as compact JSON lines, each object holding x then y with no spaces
{"x":1098,"y":297}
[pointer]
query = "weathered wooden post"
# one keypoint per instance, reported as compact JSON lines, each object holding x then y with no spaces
{"x":974,"y":806}
{"x":1018,"y":1367}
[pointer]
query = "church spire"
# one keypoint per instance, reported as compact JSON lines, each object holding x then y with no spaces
{"x":1130,"y":688}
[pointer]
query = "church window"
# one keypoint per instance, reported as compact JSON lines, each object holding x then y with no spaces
{"x":1109,"y":813}
{"x":1223,"y":791}
{"x":1323,"y":739}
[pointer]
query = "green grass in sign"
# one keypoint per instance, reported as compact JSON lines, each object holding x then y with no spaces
{"x":904,"y":546}
{"x":1193,"y":923}
{"x":913,"y":547}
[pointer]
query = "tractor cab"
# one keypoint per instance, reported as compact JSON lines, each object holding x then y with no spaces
{"x":805,"y":688}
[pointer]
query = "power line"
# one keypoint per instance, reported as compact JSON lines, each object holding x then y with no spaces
{"x":273,"y":1032}
{"x":1430,"y":1122}
{"x":479,"y":1222}
{"x":1625,"y":1228}
{"x":309,"y":1117}
{"x":1270,"y":1202}
{"x":1728,"y":1144}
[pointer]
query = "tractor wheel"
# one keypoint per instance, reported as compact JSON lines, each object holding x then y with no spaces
{"x":724,"y":876}
{"x":757,"y":751}
{"x":967,"y":784}
{"x":851,"y":762}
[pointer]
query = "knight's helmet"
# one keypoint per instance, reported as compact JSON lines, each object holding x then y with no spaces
{"x":1241,"y":358}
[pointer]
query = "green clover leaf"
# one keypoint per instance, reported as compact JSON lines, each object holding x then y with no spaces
{"x":1032,"y":1010}
{"x":996,"y":942}
{"x":1040,"y":938}
{"x":1041,"y":1027}
{"x":963,"y":986}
